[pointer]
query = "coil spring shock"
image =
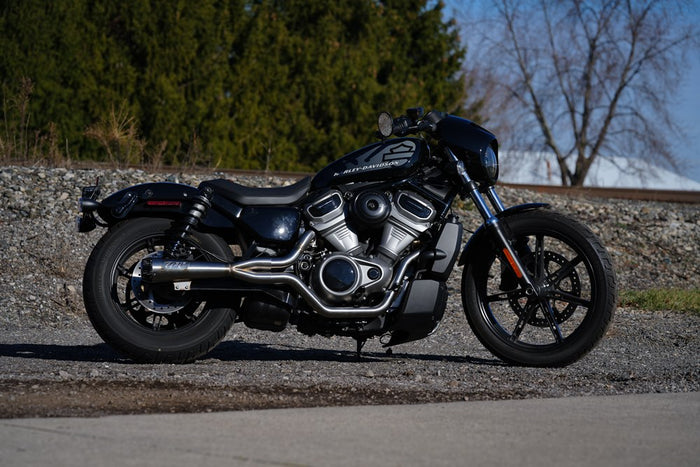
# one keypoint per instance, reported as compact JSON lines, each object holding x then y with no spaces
{"x":177,"y":234}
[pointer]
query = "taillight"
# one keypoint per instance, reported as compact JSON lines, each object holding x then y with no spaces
{"x":162,"y":203}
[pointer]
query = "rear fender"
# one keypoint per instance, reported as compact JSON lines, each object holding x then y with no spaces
{"x":162,"y":199}
{"x":481,"y":238}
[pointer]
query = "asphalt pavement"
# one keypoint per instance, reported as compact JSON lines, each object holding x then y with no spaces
{"x":634,"y":430}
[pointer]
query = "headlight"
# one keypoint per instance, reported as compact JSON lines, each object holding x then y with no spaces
{"x":481,"y":164}
{"x":489,"y":162}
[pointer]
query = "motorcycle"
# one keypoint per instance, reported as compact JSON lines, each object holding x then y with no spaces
{"x":363,"y":249}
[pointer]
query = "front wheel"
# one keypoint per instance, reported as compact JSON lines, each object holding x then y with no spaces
{"x":575,"y":299}
{"x":152,"y":322}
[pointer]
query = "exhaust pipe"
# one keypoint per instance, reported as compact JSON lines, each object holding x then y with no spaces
{"x":162,"y":270}
{"x":156,"y":270}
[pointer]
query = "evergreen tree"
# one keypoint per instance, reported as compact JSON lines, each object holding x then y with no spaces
{"x":272,"y":84}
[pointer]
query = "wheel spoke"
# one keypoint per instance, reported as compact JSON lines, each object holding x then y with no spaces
{"x":530,"y":310}
{"x":570,"y":298}
{"x":183,"y":318}
{"x":539,"y":256}
{"x":133,"y":304}
{"x":551,"y":320}
{"x":503,"y":296}
{"x":151,"y":245}
{"x":564,"y":271}
{"x":123,"y":271}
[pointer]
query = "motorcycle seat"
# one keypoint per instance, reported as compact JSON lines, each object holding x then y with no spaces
{"x":254,"y":196}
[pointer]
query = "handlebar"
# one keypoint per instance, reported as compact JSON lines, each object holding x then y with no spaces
{"x":409,"y":124}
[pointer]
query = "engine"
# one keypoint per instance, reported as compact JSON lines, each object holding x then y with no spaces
{"x":365,"y":237}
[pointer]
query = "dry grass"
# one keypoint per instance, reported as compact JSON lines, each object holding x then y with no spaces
{"x":17,"y":142}
{"x":118,"y":134}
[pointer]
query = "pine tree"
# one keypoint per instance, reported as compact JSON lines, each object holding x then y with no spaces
{"x":259,"y":84}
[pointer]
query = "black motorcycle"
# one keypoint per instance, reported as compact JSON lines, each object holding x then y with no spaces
{"x":363,"y":249}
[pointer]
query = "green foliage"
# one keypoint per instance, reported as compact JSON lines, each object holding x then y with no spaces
{"x":662,"y":299}
{"x":255,"y":84}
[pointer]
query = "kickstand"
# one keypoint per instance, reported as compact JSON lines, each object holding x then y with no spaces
{"x":360,"y":344}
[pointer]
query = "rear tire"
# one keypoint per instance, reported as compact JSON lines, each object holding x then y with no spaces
{"x":151,"y":324}
{"x":572,"y":313}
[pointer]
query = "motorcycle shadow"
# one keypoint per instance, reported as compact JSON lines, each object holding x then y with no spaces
{"x":64,"y":353}
{"x":244,"y":351}
{"x":232,"y":351}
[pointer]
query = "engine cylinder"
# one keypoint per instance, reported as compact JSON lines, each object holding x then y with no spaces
{"x":411,"y":215}
{"x":327,"y":216}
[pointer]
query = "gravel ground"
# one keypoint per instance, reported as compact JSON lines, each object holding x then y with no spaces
{"x":54,"y":364}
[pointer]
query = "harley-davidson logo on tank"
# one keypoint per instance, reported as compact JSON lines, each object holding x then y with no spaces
{"x":394,"y":155}
{"x":374,"y":162}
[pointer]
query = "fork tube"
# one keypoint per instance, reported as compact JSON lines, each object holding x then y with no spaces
{"x":495,"y":199}
{"x":492,"y":222}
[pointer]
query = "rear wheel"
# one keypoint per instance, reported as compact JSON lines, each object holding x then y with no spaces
{"x":572,"y":308}
{"x":152,"y":323}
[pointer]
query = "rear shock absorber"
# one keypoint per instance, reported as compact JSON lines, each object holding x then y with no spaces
{"x":174,"y":248}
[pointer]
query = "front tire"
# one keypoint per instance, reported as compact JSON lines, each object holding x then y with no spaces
{"x":577,"y":297}
{"x":148,"y":323}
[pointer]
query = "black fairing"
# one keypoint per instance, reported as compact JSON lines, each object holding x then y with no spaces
{"x":449,"y":241}
{"x":391,"y":159}
{"x":465,"y":136}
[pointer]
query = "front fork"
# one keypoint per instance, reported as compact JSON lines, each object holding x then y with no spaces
{"x":492,"y":222}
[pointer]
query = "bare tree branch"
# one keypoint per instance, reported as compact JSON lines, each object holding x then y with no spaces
{"x":594,"y":76}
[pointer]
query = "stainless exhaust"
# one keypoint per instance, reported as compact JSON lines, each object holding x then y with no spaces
{"x":159,"y":270}
{"x":163,"y":270}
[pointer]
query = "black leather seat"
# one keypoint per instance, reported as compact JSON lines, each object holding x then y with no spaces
{"x":252,"y":196}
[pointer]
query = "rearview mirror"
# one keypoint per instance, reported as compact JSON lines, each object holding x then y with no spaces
{"x":385,"y":122}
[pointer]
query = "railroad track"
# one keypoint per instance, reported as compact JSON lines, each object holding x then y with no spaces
{"x":669,"y":196}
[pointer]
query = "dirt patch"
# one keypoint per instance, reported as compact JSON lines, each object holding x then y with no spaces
{"x":97,"y":398}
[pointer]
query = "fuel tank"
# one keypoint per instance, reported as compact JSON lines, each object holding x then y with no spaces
{"x":391,"y":159}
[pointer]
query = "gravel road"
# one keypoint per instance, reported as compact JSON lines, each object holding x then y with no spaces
{"x":68,"y":371}
{"x":54,"y":364}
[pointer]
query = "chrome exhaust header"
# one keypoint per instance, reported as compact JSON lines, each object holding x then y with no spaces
{"x":266,"y":270}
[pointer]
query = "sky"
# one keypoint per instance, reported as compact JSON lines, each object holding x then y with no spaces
{"x":687,"y":112}
{"x":685,"y":108}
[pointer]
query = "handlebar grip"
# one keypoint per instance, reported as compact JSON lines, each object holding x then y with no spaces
{"x":402,"y":125}
{"x":425,"y":125}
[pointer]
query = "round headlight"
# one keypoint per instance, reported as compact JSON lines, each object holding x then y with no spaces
{"x":489,"y":162}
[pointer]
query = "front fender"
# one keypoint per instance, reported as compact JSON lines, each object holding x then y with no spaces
{"x":476,"y":242}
